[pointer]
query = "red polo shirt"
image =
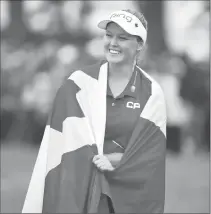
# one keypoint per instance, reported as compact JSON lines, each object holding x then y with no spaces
{"x":123,"y":113}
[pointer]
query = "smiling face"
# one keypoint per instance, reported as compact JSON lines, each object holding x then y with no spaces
{"x":119,"y":46}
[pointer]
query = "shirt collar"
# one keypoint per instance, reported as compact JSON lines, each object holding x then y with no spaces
{"x":128,"y":91}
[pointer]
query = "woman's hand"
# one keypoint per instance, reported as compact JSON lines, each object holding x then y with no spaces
{"x":102,"y":163}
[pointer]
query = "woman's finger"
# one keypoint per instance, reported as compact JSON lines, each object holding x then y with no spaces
{"x":100,"y":159}
{"x":102,"y":168}
{"x":101,"y":163}
{"x":96,"y":157}
{"x":103,"y":160}
{"x":106,"y":168}
{"x":104,"y":164}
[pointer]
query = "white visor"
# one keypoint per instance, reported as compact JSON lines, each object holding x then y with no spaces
{"x":130,"y":23}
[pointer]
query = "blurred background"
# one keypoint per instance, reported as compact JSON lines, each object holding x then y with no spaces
{"x":42,"y":41}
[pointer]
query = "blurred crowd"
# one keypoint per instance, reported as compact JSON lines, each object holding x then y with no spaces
{"x":42,"y":41}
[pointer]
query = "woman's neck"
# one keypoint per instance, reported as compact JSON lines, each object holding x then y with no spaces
{"x":121,"y":71}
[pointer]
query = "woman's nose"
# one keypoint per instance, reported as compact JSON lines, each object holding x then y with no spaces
{"x":114,"y":41}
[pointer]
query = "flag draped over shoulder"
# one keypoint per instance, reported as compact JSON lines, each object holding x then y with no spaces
{"x":64,"y":179}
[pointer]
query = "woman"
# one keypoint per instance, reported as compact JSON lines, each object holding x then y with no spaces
{"x":103,"y":148}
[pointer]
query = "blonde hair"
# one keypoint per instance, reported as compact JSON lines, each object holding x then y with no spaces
{"x":140,"y":16}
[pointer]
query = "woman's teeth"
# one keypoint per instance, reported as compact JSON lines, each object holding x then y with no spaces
{"x":113,"y":51}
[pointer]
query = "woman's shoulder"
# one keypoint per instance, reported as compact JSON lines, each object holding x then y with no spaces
{"x":79,"y":75}
{"x":155,"y":86}
{"x":68,"y":83}
{"x":92,"y":70}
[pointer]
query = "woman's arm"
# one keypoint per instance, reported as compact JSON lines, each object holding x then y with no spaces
{"x":107,"y":162}
{"x":114,"y":158}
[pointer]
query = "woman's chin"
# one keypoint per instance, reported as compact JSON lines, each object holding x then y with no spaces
{"x":114,"y":59}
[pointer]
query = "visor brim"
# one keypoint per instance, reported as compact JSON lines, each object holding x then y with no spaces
{"x":103,"y":24}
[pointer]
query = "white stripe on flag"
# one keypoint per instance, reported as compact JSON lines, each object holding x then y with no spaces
{"x":117,"y":144}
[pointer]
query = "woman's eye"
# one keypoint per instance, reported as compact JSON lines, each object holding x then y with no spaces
{"x":123,"y":38}
{"x":108,"y":35}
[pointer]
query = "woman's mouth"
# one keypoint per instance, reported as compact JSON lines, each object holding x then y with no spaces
{"x":112,"y":51}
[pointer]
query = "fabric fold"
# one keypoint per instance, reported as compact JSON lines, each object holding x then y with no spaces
{"x":65,"y":180}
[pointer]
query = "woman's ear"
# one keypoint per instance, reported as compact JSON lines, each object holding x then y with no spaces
{"x":140,"y":44}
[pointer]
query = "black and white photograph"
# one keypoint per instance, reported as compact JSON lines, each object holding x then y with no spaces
{"x":105,"y":106}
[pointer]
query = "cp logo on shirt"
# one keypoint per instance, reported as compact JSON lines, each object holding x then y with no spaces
{"x":132,"y":105}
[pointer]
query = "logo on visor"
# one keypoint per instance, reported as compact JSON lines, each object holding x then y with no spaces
{"x":128,"y":18}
